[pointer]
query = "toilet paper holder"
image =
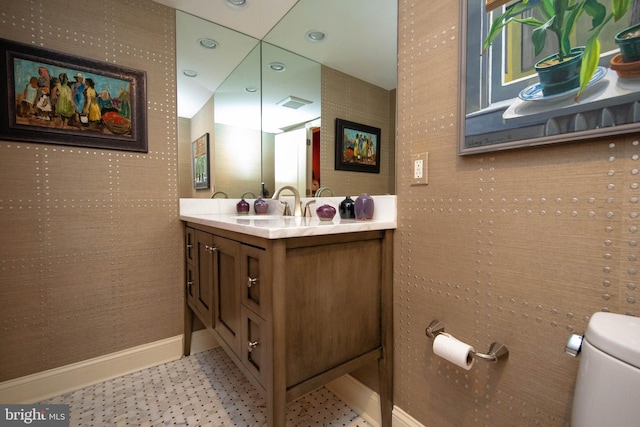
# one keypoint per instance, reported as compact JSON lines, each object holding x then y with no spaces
{"x":497,"y":351}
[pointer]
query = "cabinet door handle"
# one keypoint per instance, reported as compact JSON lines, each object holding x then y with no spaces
{"x":210,"y":248}
{"x":189,"y":284}
{"x":189,"y":245}
{"x":252,"y":346}
{"x":252,"y":281}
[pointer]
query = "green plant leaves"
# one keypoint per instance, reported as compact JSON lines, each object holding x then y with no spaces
{"x":508,"y":16}
{"x":539,"y":35}
{"x":590,"y":59}
{"x":596,"y":11}
{"x":619,"y":8}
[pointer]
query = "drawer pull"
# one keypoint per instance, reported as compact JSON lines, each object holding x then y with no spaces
{"x":252,"y":346}
{"x":252,"y":281}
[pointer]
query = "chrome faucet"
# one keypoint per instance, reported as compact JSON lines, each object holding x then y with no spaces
{"x":297,"y":211}
{"x":321,"y":190}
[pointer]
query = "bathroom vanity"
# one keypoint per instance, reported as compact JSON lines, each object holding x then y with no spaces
{"x":295,"y":302}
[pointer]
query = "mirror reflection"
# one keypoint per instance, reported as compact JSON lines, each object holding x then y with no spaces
{"x":271,"y":119}
{"x":236,"y":153}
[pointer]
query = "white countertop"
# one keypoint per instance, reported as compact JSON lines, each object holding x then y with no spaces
{"x":221,"y":213}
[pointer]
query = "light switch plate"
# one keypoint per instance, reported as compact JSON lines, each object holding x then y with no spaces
{"x":420,"y":169}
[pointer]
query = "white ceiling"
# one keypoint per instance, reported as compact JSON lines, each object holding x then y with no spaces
{"x":361,"y":39}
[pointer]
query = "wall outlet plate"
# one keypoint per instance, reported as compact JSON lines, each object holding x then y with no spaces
{"x":420,"y":169}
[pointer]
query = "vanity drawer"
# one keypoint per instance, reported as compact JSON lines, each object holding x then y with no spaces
{"x":255,"y":275}
{"x":255,"y":345}
{"x":189,"y":241}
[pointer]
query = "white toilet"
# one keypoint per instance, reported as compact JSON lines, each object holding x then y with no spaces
{"x":608,"y":386}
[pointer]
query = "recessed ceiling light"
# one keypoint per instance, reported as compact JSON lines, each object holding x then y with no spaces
{"x":251,"y":89}
{"x":315,"y":36}
{"x":277,"y":66}
{"x":208,"y":43}
{"x":237,"y":3}
{"x":190,"y":73}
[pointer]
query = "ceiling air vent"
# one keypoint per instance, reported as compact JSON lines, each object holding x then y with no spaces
{"x":294,"y":102}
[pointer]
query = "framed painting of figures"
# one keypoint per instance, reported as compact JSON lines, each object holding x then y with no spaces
{"x":57,"y":98}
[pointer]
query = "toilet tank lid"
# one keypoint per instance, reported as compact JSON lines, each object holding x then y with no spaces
{"x":617,"y":335}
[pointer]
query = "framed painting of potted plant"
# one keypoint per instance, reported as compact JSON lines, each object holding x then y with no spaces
{"x":539,"y":72}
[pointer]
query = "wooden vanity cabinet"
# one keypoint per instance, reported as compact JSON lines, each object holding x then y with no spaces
{"x":297,"y":313}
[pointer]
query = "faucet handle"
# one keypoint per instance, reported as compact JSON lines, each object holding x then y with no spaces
{"x":307,"y":208}
{"x":287,"y":209}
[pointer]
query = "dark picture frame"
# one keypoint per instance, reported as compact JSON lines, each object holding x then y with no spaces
{"x":58,"y":98}
{"x":357,"y":147}
{"x":200,"y":156}
{"x":606,"y":108}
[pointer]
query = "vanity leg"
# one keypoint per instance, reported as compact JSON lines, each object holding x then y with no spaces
{"x":276,"y":414}
{"x":385,"y":384}
{"x":385,"y":363}
{"x":188,"y":328}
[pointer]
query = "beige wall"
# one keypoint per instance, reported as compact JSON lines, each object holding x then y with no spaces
{"x":519,"y":247}
{"x":90,"y":246}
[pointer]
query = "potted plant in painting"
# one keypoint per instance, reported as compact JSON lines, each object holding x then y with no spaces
{"x":627,"y":62}
{"x":628,"y":40}
{"x":571,"y":67}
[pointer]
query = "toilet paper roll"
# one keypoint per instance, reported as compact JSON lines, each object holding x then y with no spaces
{"x":453,"y":350}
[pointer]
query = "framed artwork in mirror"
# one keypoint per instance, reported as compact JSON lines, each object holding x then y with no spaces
{"x":357,"y":147}
{"x":200,"y":154}
{"x":509,"y":100}
{"x":58,"y":98}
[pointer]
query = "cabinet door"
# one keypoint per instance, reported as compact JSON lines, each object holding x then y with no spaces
{"x":255,"y":345}
{"x":189,"y":250}
{"x":191,"y":284}
{"x":227,"y":291}
{"x":256,"y":288}
{"x":203,"y":277}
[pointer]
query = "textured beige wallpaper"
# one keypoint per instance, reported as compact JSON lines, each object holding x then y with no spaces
{"x":520,"y":247}
{"x":90,"y":239}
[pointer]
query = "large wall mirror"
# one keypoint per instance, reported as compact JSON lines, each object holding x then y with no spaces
{"x":261,"y":101}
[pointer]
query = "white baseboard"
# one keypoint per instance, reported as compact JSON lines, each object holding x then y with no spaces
{"x":44,"y":385}
{"x":366,"y":402}
{"x":402,"y":419}
{"x":358,"y":397}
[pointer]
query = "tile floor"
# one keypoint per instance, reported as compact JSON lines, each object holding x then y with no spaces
{"x":204,"y":389}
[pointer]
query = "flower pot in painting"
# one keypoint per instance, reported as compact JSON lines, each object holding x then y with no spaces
{"x":628,"y":40}
{"x":558,"y":77}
